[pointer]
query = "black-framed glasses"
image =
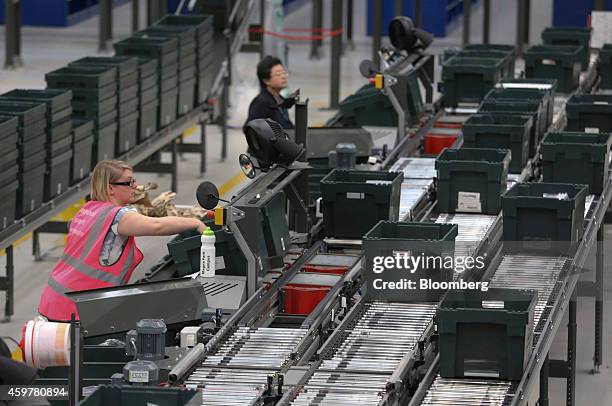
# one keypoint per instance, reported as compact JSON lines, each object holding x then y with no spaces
{"x":131,"y":183}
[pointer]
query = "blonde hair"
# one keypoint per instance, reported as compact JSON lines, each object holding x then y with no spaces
{"x":103,"y":174}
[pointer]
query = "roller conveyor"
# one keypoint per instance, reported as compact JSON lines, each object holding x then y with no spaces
{"x":418,"y":178}
{"x":334,"y":388}
{"x":251,"y":347}
{"x":473,"y":228}
{"x":228,"y":386}
{"x":457,"y":392}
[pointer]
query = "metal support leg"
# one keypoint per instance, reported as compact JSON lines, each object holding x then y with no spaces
{"x":377,"y":30}
{"x":223,"y":119}
{"x":418,"y":13}
{"x":527,"y":20}
{"x":174,"y":157}
{"x":467,"y":6}
{"x":36,"y":246}
{"x":103,"y":35}
{"x":10,"y":23}
{"x":544,"y":373}
{"x":571,"y":352}
{"x":203,"y":149}
{"x":109,"y":21}
{"x":399,"y":7}
{"x":135,"y":15}
{"x":349,"y":26}
{"x":486,"y":22}
{"x":520,"y":28}
{"x":336,"y":49}
{"x":599,"y":296}
{"x":18,"y":60}
{"x":9,"y":285}
{"x":317,"y":24}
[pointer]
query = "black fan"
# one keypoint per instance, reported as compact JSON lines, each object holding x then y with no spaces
{"x":405,"y":36}
{"x":269,"y":144}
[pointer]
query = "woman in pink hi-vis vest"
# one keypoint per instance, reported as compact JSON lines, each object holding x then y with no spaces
{"x":100,"y":248}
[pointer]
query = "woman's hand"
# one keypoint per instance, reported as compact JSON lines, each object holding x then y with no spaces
{"x":201,"y":227}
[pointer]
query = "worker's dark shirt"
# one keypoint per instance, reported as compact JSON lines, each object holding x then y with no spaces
{"x":265,"y":106}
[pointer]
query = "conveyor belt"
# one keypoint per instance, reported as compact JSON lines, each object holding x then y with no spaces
{"x":418,"y":178}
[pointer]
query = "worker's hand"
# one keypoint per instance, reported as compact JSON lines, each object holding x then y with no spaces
{"x":201,"y":227}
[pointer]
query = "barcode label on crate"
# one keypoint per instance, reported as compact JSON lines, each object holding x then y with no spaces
{"x":591,"y":130}
{"x":469,"y":202}
{"x":600,"y":102}
{"x":354,"y":195}
{"x":219,"y":263}
{"x":492,"y":304}
{"x":549,"y":62}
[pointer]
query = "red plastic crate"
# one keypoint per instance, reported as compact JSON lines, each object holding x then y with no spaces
{"x":435,"y":143}
{"x":336,"y":270}
{"x":302,"y":299}
{"x":438,"y":124}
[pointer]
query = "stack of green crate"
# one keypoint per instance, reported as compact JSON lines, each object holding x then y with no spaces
{"x":573,"y":36}
{"x":561,"y":62}
{"x":148,"y":103}
{"x":94,"y":97}
{"x":203,"y":25}
{"x":469,"y":79}
{"x":82,"y":142}
{"x":127,"y":97}
{"x":186,"y":63}
{"x":591,"y":113}
{"x":32,"y":155}
{"x":165,"y":50}
{"x":59,"y":129}
{"x":9,"y":168}
{"x":570,"y":157}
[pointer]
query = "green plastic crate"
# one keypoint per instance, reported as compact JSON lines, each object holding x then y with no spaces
{"x":542,"y":96}
{"x":605,"y":66}
{"x":387,"y":239}
{"x":510,"y":50}
{"x":577,"y":158}
{"x":591,"y":113}
{"x":530,"y":108}
{"x":539,"y":212}
{"x":142,"y":396}
{"x":354,"y":201}
{"x":185,"y":251}
{"x":546,"y":85}
{"x":510,"y":132}
{"x":78,"y":76}
{"x":471,"y":180}
{"x":368,"y":106}
{"x":574,"y":36}
{"x":561,"y":62}
{"x":469,"y":79}
{"x":486,"y":334}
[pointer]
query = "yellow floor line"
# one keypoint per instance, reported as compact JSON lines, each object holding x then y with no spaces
{"x":232,"y":183}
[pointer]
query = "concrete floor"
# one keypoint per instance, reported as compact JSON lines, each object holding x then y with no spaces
{"x":45,"y":49}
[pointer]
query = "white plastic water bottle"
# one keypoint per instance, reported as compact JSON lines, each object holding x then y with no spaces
{"x":207,"y":254}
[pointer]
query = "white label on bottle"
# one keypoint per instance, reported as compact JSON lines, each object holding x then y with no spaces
{"x":219,"y":263}
{"x":591,"y":130}
{"x":549,"y":62}
{"x":469,"y":202}
{"x":352,"y":195}
{"x":139,"y":376}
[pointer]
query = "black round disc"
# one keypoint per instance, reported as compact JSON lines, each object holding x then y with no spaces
{"x":207,"y":195}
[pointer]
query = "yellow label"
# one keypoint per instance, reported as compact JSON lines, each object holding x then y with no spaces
{"x":219,"y":214}
{"x":379,"y":81}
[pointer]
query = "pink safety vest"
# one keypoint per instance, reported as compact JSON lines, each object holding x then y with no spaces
{"x":80,"y":268}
